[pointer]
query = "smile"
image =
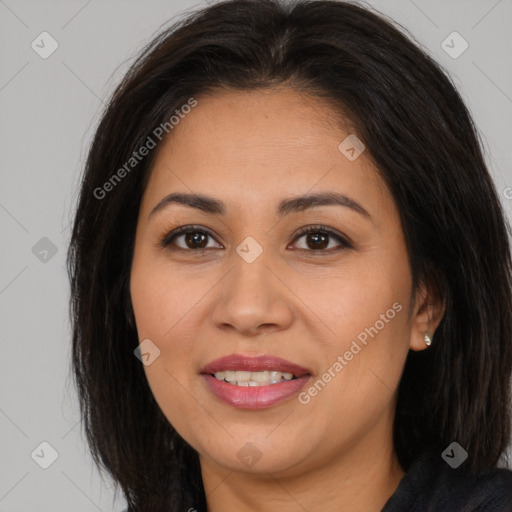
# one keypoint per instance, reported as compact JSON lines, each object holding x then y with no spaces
{"x":248,"y":382}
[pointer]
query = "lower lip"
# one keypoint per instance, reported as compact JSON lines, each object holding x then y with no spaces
{"x":255,"y":397}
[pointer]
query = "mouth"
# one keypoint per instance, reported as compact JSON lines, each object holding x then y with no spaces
{"x":254,"y":382}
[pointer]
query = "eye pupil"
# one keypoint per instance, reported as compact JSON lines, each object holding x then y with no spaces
{"x":195,"y":237}
{"x":317,"y":243}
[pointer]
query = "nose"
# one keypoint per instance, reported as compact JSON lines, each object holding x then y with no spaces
{"x":253,"y":298}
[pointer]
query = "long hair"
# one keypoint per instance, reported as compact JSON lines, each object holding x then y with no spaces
{"x":423,"y":141}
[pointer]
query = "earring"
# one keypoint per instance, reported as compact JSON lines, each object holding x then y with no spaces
{"x":428,"y":339}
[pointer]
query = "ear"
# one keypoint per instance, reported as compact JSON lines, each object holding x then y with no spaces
{"x":428,"y":311}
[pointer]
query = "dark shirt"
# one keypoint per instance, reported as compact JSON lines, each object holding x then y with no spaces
{"x":431,"y":485}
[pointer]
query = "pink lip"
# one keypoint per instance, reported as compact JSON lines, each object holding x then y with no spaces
{"x":254,"y":397}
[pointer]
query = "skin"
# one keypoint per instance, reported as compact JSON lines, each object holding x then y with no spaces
{"x":295,"y":301}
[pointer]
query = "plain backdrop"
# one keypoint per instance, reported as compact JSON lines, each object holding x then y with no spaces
{"x":49,"y":109}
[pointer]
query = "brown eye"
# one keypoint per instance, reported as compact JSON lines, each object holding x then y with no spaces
{"x":194,"y":238}
{"x":317,"y":239}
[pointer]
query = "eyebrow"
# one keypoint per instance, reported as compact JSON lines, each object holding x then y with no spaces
{"x":211,"y":205}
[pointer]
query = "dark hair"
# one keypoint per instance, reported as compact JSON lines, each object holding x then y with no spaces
{"x":422,"y":139}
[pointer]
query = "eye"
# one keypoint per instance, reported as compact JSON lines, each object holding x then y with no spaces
{"x":317,"y":239}
{"x":194,"y":238}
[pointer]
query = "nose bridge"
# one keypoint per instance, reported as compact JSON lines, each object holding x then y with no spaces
{"x":252,"y":295}
{"x":251,"y":272}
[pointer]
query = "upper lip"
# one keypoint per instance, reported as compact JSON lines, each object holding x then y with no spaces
{"x":240,"y":362}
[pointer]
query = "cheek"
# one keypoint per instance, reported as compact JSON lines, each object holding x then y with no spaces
{"x":365,"y":312}
{"x":354,"y":297}
{"x":161,"y":316}
{"x":161,"y":298}
{"x":164,"y":313}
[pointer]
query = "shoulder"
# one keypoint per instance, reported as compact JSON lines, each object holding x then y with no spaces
{"x":487,"y":492}
{"x":431,"y":485}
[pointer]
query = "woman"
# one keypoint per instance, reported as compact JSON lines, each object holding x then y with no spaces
{"x":290,"y":273}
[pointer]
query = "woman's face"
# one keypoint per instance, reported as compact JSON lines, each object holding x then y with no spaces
{"x":245,"y":283}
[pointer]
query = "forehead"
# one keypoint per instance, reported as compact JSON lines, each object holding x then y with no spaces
{"x":260,"y":146}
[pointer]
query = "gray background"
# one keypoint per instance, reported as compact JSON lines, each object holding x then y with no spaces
{"x":49,"y":109}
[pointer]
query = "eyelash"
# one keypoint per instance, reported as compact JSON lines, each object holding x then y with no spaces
{"x":167,"y":240}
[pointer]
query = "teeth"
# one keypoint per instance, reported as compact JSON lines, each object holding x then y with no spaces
{"x":243,"y":378}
